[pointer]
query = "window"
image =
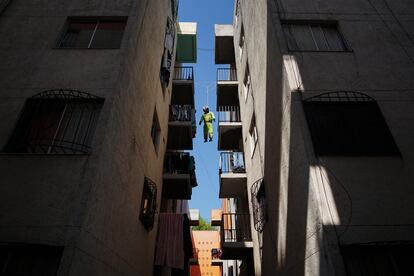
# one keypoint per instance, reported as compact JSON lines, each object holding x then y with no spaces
{"x":148,"y":203}
{"x":93,"y":33}
{"x":348,"y":124}
{"x":155,"y":131}
{"x":381,"y":259}
{"x":253,"y":135}
{"x":166,"y":60}
{"x":314,"y":36}
{"x":241,"y":42}
{"x":29,"y":260}
{"x":237,"y":12}
{"x":246,"y":83}
{"x":56,"y":122}
{"x":258,"y":200}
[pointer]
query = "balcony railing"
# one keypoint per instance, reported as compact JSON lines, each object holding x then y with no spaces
{"x":229,"y":114}
{"x":216,"y":254}
{"x":183,"y":73}
{"x":179,"y":163}
{"x":182,"y":113}
{"x":235,"y":227}
{"x":226,"y":74}
{"x":232,"y":162}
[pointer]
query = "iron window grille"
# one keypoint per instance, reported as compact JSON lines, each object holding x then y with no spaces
{"x":348,"y":124}
{"x":93,"y":33}
{"x":258,"y":199}
{"x":27,"y":259}
{"x":56,"y":122}
{"x":148,"y":204}
{"x":314,"y":36}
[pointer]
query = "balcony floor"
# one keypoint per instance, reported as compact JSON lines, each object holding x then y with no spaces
{"x":233,"y":185}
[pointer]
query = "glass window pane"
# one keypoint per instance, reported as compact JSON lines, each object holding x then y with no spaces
{"x":319,"y":37}
{"x":108,"y":35}
{"x":77,"y":35}
{"x":334,"y":39}
{"x":303,"y":36}
{"x":291,"y":41}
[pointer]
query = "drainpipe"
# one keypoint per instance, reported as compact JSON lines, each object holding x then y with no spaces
{"x":3,"y":5}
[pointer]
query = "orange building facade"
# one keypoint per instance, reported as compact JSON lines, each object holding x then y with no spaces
{"x":204,"y":242}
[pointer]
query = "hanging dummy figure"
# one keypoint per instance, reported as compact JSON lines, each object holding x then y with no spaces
{"x":208,"y":119}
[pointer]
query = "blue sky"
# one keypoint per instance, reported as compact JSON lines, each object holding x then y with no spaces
{"x":206,"y":14}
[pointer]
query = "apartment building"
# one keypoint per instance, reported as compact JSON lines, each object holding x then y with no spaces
{"x":86,"y":88}
{"x":205,"y":244}
{"x":325,"y":91}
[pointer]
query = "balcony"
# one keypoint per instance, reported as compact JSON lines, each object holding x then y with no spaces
{"x":224,"y":44}
{"x":186,"y":42}
{"x":227,"y":87}
{"x":194,"y":217}
{"x":216,"y":217}
{"x":236,"y":238}
{"x":216,"y":257}
{"x":233,"y":179}
{"x":230,"y":128}
{"x":179,"y":175}
{"x":181,"y":127}
{"x":183,"y":85}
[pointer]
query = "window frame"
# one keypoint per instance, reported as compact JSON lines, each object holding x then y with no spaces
{"x":90,"y":19}
{"x":155,"y":131}
{"x":348,"y":103}
{"x":321,"y":23}
{"x":149,"y":197}
{"x":253,"y":139}
{"x":30,"y":112}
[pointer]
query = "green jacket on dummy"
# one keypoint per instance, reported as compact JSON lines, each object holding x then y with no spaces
{"x":208,"y":119}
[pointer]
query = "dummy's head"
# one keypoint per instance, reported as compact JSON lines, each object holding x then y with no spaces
{"x":206,"y":109}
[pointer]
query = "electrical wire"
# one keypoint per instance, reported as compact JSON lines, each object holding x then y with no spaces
{"x":391,"y":31}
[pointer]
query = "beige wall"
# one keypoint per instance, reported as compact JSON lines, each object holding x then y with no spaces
{"x":308,"y":215}
{"x":89,"y":204}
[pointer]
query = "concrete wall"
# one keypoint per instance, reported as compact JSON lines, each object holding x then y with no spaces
{"x":89,"y":204}
{"x":315,"y":205}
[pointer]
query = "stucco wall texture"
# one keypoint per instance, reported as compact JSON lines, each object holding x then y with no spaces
{"x":315,"y":205}
{"x":89,"y":204}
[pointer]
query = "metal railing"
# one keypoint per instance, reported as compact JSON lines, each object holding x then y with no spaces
{"x":232,"y":162}
{"x":182,"y":113}
{"x":229,"y":114}
{"x":183,"y":73}
{"x":235,"y":227}
{"x":216,"y":254}
{"x":226,"y":74}
{"x":179,"y":163}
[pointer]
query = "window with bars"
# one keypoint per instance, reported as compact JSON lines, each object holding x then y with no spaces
{"x":29,"y":260}
{"x":241,"y":42}
{"x":148,"y":203}
{"x":254,"y":137}
{"x":155,"y":130}
{"x":56,"y":122}
{"x":314,"y":36}
{"x":348,"y":124}
{"x":93,"y":33}
{"x":246,"y":82}
{"x":258,"y":199}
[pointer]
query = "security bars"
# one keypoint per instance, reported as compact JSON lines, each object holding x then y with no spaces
{"x":56,"y":122}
